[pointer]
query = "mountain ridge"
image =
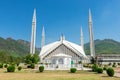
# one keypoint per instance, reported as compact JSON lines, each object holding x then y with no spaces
{"x":20,"y":48}
{"x":106,"y":46}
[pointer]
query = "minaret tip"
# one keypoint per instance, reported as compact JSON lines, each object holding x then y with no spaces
{"x":34,"y":16}
{"x":81,"y":38}
{"x":81,"y":31}
{"x":62,"y":37}
{"x":90,"y":15}
{"x":43,"y":30}
{"x":43,"y":37}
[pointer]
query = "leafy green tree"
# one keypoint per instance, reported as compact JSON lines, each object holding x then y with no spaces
{"x":35,"y":58}
{"x":29,"y":59}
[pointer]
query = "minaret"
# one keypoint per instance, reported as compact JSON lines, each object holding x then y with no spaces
{"x":81,"y":38}
{"x":43,"y":38}
{"x":92,"y":48}
{"x":33,"y":34}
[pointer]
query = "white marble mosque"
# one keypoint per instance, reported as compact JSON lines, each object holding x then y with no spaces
{"x":62,"y":53}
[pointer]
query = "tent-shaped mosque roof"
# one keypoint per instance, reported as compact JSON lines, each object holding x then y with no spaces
{"x":74,"y":47}
{"x":61,"y":55}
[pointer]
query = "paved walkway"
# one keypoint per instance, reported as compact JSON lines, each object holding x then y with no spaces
{"x":117,"y":74}
{"x":66,"y":69}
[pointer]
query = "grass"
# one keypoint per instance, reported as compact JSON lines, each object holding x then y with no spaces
{"x":28,"y":74}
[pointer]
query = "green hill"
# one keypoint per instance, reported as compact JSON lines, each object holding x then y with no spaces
{"x":16,"y":48}
{"x":19,"y":48}
{"x":106,"y":46}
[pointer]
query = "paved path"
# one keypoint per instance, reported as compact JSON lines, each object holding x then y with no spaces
{"x":66,"y":69}
{"x":117,"y":74}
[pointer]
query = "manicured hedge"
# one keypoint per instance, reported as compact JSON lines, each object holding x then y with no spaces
{"x":11,"y":68}
{"x":110,"y":72}
{"x":73,"y":70}
{"x":6,"y":65}
{"x":41,"y":68}
{"x":19,"y":68}
{"x":100,"y":70}
{"x":1,"y":65}
{"x":94,"y":67}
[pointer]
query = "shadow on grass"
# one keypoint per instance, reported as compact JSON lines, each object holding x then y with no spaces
{"x":111,"y":77}
{"x":9,"y":72}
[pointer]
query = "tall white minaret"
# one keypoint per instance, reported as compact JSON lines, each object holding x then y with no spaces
{"x":81,"y":38}
{"x":33,"y":34}
{"x":43,"y":38}
{"x":92,"y":47}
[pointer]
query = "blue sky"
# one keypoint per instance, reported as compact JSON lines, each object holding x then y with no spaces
{"x":60,"y":17}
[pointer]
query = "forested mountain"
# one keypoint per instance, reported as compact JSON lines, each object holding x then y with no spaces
{"x":106,"y":46}
{"x":16,"y":48}
{"x":19,"y":48}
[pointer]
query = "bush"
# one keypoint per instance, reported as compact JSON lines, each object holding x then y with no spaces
{"x":109,"y":64}
{"x":114,"y":65}
{"x":99,"y":70}
{"x":32,"y":66}
{"x":110,"y":72}
{"x":104,"y":68}
{"x":29,"y":66}
{"x":1,"y":65}
{"x":41,"y":68}
{"x":5,"y":66}
{"x":19,"y":68}
{"x":94,"y":67}
{"x":11,"y":68}
{"x":118,"y":63}
{"x":73,"y":70}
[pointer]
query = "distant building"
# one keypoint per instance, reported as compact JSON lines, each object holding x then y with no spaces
{"x":108,"y":58}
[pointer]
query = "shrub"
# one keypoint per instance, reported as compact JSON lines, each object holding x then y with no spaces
{"x":79,"y":62}
{"x":109,"y":64}
{"x":11,"y":68}
{"x":5,"y":66}
{"x":118,"y":63}
{"x":114,"y":65}
{"x":110,"y":72}
{"x":99,"y":70}
{"x":19,"y":68}
{"x":1,"y":65}
{"x":104,"y":68}
{"x":29,"y":66}
{"x":32,"y":66}
{"x":73,"y":70}
{"x":41,"y":68}
{"x":94,"y":67}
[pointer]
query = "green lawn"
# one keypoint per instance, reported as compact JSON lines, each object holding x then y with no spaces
{"x":53,"y":75}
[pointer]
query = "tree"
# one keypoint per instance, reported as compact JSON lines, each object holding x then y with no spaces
{"x":29,"y":59}
{"x":92,"y":60}
{"x":35,"y":58}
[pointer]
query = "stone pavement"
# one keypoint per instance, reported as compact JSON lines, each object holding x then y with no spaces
{"x":117,"y":74}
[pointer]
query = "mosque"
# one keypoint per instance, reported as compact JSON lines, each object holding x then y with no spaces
{"x":62,"y":53}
